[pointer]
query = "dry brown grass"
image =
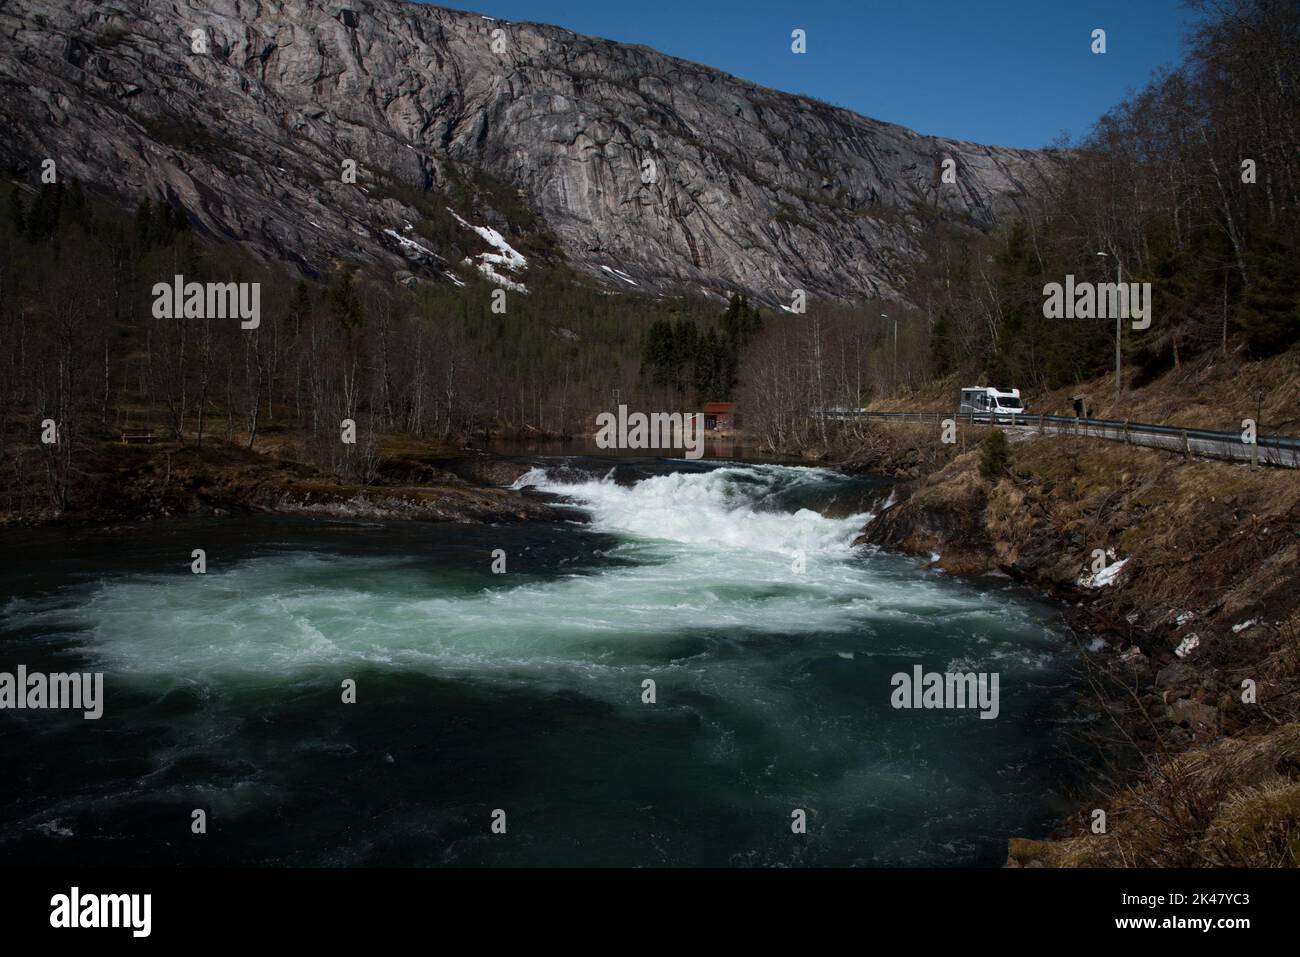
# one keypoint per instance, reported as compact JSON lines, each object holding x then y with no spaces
{"x":1193,"y":776}
{"x":1235,"y":803}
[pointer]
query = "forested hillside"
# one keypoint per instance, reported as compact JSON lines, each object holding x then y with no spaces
{"x":1192,"y":185}
{"x":432,"y":361}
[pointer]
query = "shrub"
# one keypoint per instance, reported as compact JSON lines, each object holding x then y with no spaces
{"x":995,"y":454}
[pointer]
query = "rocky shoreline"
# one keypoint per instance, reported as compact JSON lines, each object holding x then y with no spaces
{"x":170,"y":481}
{"x":1183,"y":577}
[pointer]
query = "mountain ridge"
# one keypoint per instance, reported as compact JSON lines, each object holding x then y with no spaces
{"x":753,"y":189}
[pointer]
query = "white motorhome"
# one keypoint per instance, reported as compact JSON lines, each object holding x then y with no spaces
{"x":981,"y":399}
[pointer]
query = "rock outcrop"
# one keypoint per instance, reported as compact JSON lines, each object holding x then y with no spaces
{"x":651,"y":173}
{"x":1190,"y":631}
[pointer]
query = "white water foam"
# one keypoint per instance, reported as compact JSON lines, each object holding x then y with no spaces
{"x":697,"y":552}
{"x":711,"y":510}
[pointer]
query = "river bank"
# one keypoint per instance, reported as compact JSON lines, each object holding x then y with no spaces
{"x":412,"y":479}
{"x":1182,"y":579}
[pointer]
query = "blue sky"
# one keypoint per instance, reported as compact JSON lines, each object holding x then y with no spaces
{"x":1007,"y":72}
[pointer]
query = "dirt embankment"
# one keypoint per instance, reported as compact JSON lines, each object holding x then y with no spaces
{"x":1196,"y":692}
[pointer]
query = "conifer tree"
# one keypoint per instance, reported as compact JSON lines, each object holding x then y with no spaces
{"x":344,"y":302}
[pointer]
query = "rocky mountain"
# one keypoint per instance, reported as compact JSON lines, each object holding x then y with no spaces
{"x":647,"y":172}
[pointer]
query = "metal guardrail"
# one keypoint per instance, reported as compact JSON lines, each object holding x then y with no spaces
{"x":1279,"y":450}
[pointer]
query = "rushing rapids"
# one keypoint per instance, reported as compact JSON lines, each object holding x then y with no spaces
{"x":769,"y":639}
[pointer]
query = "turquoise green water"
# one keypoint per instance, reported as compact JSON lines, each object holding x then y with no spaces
{"x":770,"y":640}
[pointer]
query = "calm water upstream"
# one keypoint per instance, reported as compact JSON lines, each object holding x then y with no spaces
{"x":523,"y":691}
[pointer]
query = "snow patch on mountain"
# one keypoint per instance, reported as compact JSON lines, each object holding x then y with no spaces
{"x":620,"y":275}
{"x":506,"y":256}
{"x":411,"y":249}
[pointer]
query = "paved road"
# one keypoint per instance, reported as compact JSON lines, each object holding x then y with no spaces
{"x":1272,"y":450}
{"x":1219,"y":448}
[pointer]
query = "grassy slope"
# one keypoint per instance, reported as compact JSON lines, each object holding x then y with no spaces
{"x":1194,"y":775}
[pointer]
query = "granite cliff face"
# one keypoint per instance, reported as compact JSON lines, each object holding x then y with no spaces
{"x":651,"y":173}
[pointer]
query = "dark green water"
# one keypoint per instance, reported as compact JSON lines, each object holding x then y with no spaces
{"x":523,"y":691}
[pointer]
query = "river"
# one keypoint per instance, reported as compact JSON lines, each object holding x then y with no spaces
{"x":733,"y":587}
